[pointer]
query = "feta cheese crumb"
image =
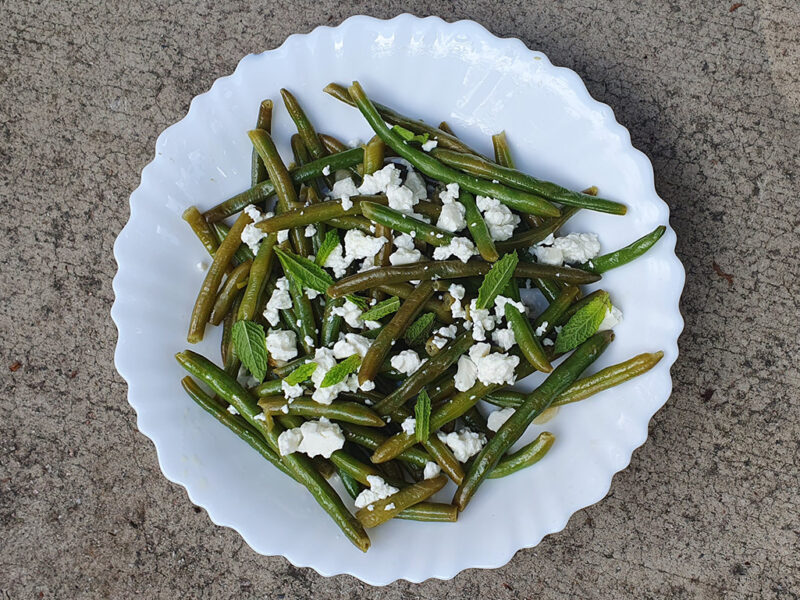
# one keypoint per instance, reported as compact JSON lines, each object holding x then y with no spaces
{"x":464,"y":444}
{"x":347,"y":204}
{"x":260,"y":417}
{"x":493,"y":368}
{"x":578,"y":247}
{"x":289,"y":441}
{"x":367,"y":386}
{"x":499,"y":218}
{"x":232,"y":409}
{"x":406,"y":362}
{"x":402,"y":200}
{"x":282,"y":344}
{"x":498,"y":417}
{"x":314,"y":438}
{"x":350,"y":313}
{"x":337,"y":262}
{"x":349,"y":344}
{"x":344,"y":188}
{"x":359,"y":245}
{"x":456,"y":309}
{"x":466,"y":375}
{"x":416,"y":184}
{"x":548,"y":255}
{"x":402,"y":256}
{"x":389,"y":506}
{"x":460,"y":247}
{"x":326,"y":170}
{"x":430,"y":145}
{"x":482,"y":321}
{"x":504,"y":338}
{"x":378,"y":490}
{"x":431,"y":470}
{"x":541,"y":329}
{"x":310,"y":231}
{"x":290,"y":392}
{"x":612,"y":319}
{"x":325,"y":359}
{"x":409,"y":425}
{"x":380,"y":181}
{"x":449,"y":194}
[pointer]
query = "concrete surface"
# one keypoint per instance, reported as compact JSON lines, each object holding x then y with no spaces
{"x":708,"y":507}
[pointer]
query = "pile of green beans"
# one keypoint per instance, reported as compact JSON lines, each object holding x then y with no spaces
{"x":392,"y":336}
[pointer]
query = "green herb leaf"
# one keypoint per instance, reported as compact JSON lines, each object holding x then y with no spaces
{"x":303,"y":273}
{"x":338,"y":372}
{"x":381,"y":309}
{"x":583,"y":324}
{"x":250,"y":344}
{"x":301,"y":373}
{"x":496,"y":279}
{"x":327,"y":246}
{"x":420,"y":330}
{"x":422,"y":412}
{"x":361,"y":303}
{"x":409,"y":136}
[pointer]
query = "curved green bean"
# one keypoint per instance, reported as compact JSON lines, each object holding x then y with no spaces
{"x":303,"y":124}
{"x":623,"y":256}
{"x":201,"y":229}
{"x":260,"y":272}
{"x":524,"y":457}
{"x":233,"y":285}
{"x":404,"y":290}
{"x":370,"y":438}
{"x":381,"y":511}
{"x":477,"y":228}
{"x":442,"y":455}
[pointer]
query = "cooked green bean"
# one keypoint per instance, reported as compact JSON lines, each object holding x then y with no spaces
{"x":227,"y":353}
{"x":404,"y":290}
{"x":259,"y":275}
{"x":208,"y":291}
{"x":502,"y":152}
{"x":332,"y":145}
{"x":301,"y":466}
{"x":349,"y":412}
{"x":480,"y":167}
{"x":551,"y":316}
{"x":392,"y":331}
{"x":550,"y":289}
{"x":426,"y":373}
{"x":623,"y":256}
{"x":427,"y":164}
{"x":527,"y":341}
{"x":258,"y":172}
{"x":446,"y":140}
{"x":374,"y":153}
{"x":233,"y":285}
{"x":350,"y":484}
{"x":242,"y":254}
{"x":381,"y":511}
{"x":446,"y":128}
{"x":303,"y":124}
{"x":305,"y":322}
{"x":317,"y":213}
{"x":475,"y":421}
{"x":536,"y":402}
{"x":370,"y":438}
{"x":442,"y":455}
{"x":524,"y":457}
{"x":450,"y":269}
{"x":398,"y":221}
{"x":265,"y":189}
{"x":201,"y":229}
{"x":430,"y":511}
{"x":477,"y":228}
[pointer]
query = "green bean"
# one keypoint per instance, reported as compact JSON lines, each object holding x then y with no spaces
{"x":374,"y":155}
{"x":550,"y":289}
{"x":392,"y":331}
{"x":430,"y":511}
{"x":258,"y":172}
{"x":381,"y":511}
{"x":404,"y":290}
{"x":427,"y":164}
{"x":350,"y":484}
{"x":475,"y":421}
{"x":305,"y":321}
{"x":444,"y":458}
{"x":526,"y":239}
{"x":265,"y":189}
{"x":370,"y":438}
{"x":446,"y":140}
{"x":431,"y":210}
{"x":398,"y":221}
{"x":332,"y":145}
{"x":301,"y":466}
{"x":446,"y":128}
{"x":259,"y":275}
{"x":524,"y":457}
{"x":426,"y":373}
{"x":271,"y":387}
{"x":243,"y":252}
{"x":348,"y":223}
{"x":316,"y":213}
{"x":226,"y":346}
{"x":450,"y":269}
{"x":480,"y":167}
{"x":278,"y":174}
{"x":623,"y":256}
{"x":551,"y":316}
{"x":536,"y":402}
{"x":477,"y":228}
{"x":236,"y":424}
{"x":502,"y":152}
{"x":201,"y":229}
{"x":233,"y":285}
{"x":208,"y":291}
{"x":303,"y":124}
{"x":349,"y":412}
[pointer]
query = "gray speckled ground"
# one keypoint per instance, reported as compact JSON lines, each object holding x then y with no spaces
{"x":708,"y":507}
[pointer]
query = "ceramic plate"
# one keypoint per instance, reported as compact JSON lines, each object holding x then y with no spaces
{"x":434,"y":70}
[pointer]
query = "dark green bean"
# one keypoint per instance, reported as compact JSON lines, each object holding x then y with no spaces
{"x":349,"y":412}
{"x":382,"y":510}
{"x":477,"y":228}
{"x":551,"y":316}
{"x":526,"y":239}
{"x":303,"y":124}
{"x":502,"y":152}
{"x":258,"y":172}
{"x":444,"y":458}
{"x":259,"y":275}
{"x":404,"y":290}
{"x":201,"y":229}
{"x":536,"y":402}
{"x":623,"y":256}
{"x":398,"y":221}
{"x":524,"y":457}
{"x":317,"y":213}
{"x":350,"y":484}
{"x":242,"y":254}
{"x":370,"y":438}
{"x":233,"y":285}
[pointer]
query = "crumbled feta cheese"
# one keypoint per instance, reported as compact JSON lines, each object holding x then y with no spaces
{"x":350,"y":313}
{"x":308,"y":341}
{"x":459,"y":247}
{"x":314,"y":438}
{"x":252,"y":236}
{"x":289,"y":441}
{"x":439,"y":342}
{"x":232,"y":409}
{"x":467,"y":374}
{"x":416,"y":184}
{"x":409,"y":425}
{"x":404,"y":241}
{"x":378,"y":490}
{"x":285,"y":409}
{"x":389,"y":506}
{"x":449,"y":194}
{"x":548,"y":255}
{"x":310,"y":231}
{"x":612,"y":319}
{"x":500,"y":306}
{"x":451,"y":217}
{"x":344,"y":188}
{"x":547,"y":342}
{"x":499,"y":218}
{"x":367,"y":386}
{"x":456,"y":309}
{"x":498,"y":417}
{"x":504,"y":338}
{"x":359,"y":245}
{"x":430,"y":145}
{"x":578,"y":247}
{"x":380,"y":181}
{"x":260,"y":417}
{"x":337,"y":262}
{"x":290,"y":392}
{"x":541,"y":329}
{"x":482,"y":321}
{"x":402,"y":200}
{"x":325,"y":359}
{"x":311,"y":293}
{"x":447,"y":332}
{"x":326,"y":170}
{"x":464,"y":444}
{"x":402,"y":256}
{"x":493,"y":368}
{"x":406,"y":362}
{"x":431,"y":470}
{"x":350,"y":344}
{"x":245,"y":378}
{"x":282,"y":344}
{"x":283,"y":235}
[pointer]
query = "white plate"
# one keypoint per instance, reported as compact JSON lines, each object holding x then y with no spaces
{"x":481,"y":85}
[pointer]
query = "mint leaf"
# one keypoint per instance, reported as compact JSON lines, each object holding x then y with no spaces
{"x":381,"y":309}
{"x":409,"y":136}
{"x":422,"y":412}
{"x":496,"y":279}
{"x":420,"y":330}
{"x":250,"y":344}
{"x":338,"y":372}
{"x":301,"y":373}
{"x":303,"y":273}
{"x":361,"y":303}
{"x":327,"y":246}
{"x":583,"y":324}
